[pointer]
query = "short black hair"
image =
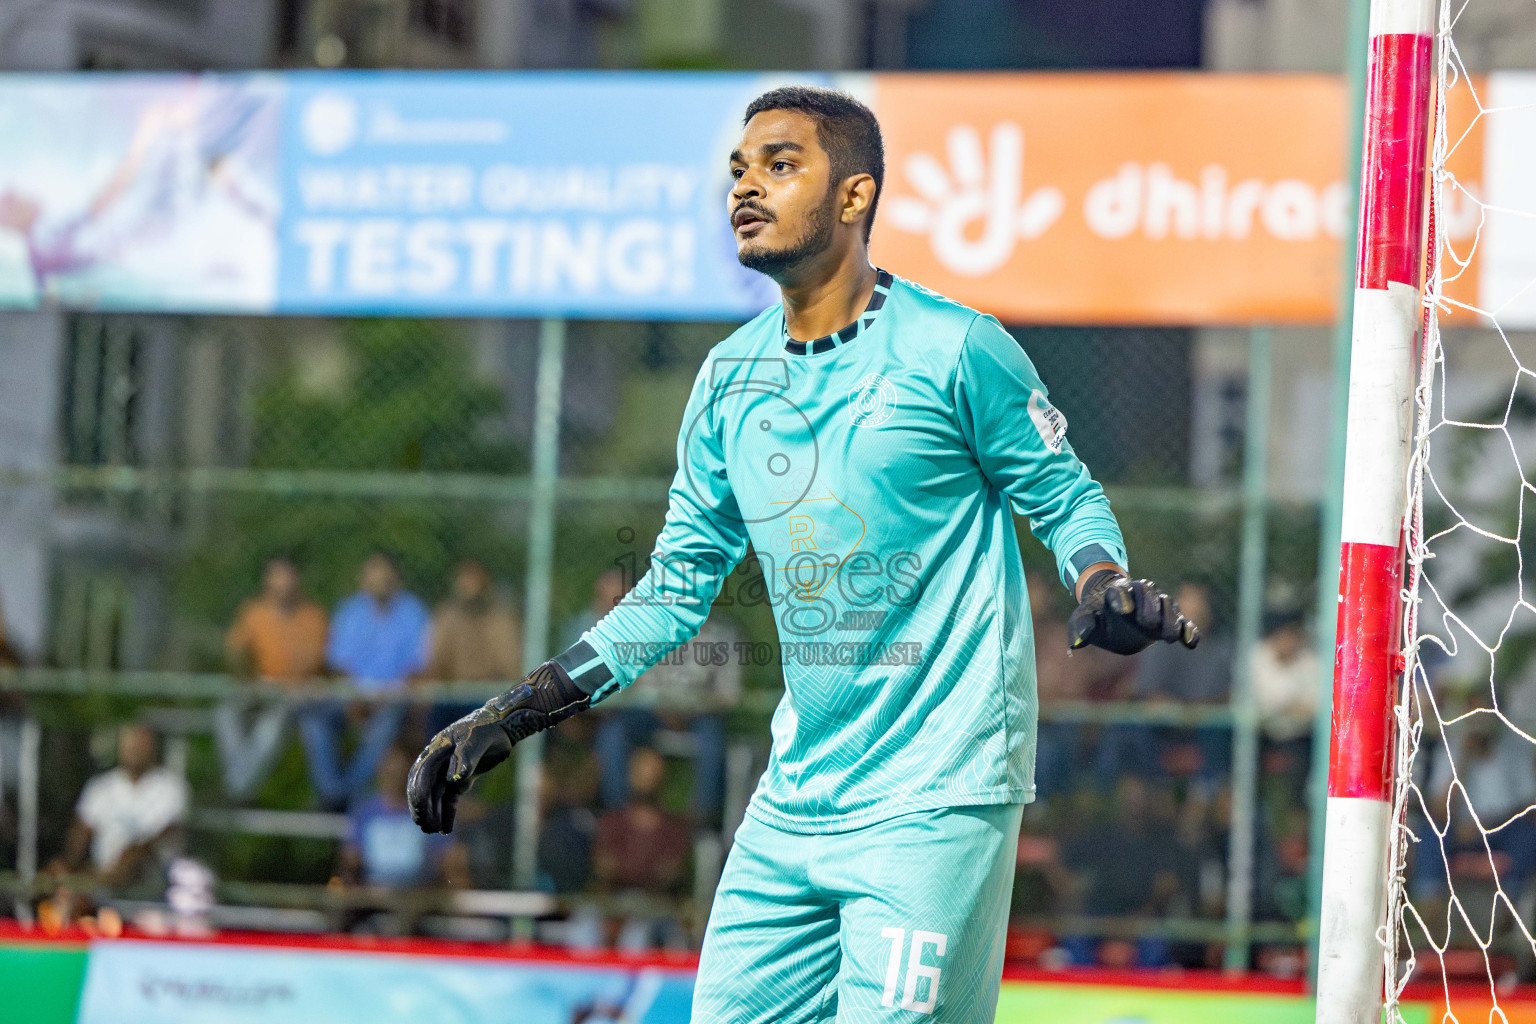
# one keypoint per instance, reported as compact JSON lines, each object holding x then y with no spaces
{"x":846,"y":129}
{"x":388,"y":554}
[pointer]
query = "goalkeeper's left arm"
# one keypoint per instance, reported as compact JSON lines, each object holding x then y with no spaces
{"x":1020,"y":441}
{"x":703,"y":539}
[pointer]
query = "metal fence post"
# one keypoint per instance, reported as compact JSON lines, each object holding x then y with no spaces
{"x":541,"y":557}
{"x":28,"y":778}
{"x":1250,"y":607}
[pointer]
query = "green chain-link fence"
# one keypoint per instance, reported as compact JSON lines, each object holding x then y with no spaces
{"x":195,"y":449}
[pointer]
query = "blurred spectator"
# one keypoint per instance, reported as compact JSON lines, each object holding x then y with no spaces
{"x":378,"y":640}
{"x":128,"y":819}
{"x":475,"y":638}
{"x":1286,"y":678}
{"x":1205,"y":829}
{"x":1119,"y":747}
{"x":1168,"y":672}
{"x":641,"y":847}
{"x":702,"y":674}
{"x":1282,"y":868}
{"x":567,"y":790}
{"x":607,"y":590}
{"x":384,"y":846}
{"x":1138,"y":860}
{"x":1487,"y":770}
{"x":481,"y":857}
{"x":565,"y":844}
{"x":1059,"y":679}
{"x":1089,"y":674}
{"x":13,"y":709}
{"x":565,"y":33}
{"x":10,"y":657}
{"x":379,"y":635}
{"x":1136,"y":865}
{"x":1202,"y":676}
{"x":1106,"y":676}
{"x":279,"y":638}
{"x":1043,"y":884}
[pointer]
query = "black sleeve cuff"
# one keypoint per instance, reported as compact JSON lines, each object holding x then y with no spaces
{"x":1083,"y":557}
{"x":584,"y":667}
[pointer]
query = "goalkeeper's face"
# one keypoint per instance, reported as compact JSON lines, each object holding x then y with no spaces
{"x":783,"y":204}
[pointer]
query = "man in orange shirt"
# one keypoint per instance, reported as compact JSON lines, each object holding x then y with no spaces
{"x":279,"y":638}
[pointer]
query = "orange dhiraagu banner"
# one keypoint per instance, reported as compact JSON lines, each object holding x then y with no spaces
{"x":1096,"y":198}
{"x":1461,"y":217}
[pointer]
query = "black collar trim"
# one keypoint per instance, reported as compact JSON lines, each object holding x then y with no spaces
{"x":883,"y":282}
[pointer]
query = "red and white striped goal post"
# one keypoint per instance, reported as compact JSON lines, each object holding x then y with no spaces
{"x":1367,"y":658}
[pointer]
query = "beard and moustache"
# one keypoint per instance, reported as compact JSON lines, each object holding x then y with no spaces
{"x":816,"y":239}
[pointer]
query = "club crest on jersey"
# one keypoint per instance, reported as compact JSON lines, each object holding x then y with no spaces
{"x":871,"y":401}
{"x":1049,"y":422}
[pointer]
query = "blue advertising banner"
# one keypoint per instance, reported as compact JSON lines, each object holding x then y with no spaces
{"x":451,"y":194}
{"x":182,"y":983}
{"x":595,"y":195}
{"x":311,"y":978}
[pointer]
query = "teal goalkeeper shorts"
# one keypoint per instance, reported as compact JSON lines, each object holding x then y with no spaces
{"x":903,"y":920}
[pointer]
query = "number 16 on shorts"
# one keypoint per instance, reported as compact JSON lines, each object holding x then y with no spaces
{"x":917,"y":971}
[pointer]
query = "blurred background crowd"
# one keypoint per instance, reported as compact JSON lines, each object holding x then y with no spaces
{"x":252,"y":563}
{"x":233,"y":685}
{"x":633,"y":797}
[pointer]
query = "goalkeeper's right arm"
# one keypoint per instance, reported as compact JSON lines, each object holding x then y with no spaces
{"x":703,"y":539}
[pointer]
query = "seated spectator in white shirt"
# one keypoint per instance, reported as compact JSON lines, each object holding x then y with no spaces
{"x":1287,"y":680}
{"x":128,"y":820}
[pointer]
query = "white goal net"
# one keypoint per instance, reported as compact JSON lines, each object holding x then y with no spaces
{"x":1460,"y":936}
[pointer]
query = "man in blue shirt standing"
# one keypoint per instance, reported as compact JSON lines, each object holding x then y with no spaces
{"x":871,"y":441}
{"x":378,"y":640}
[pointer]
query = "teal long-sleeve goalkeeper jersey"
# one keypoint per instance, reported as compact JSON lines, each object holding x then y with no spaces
{"x":874,"y":473}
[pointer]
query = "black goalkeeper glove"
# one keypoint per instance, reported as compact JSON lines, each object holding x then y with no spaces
{"x":483,"y":739}
{"x":1125,"y":616}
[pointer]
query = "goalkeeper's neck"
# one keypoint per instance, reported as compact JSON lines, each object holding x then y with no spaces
{"x":827,"y":292}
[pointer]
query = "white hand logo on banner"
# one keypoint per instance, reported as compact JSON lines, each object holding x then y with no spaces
{"x":973,"y":188}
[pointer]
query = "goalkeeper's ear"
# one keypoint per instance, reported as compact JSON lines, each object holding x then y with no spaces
{"x":858,"y":201}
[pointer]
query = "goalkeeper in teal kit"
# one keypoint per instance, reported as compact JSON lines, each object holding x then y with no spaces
{"x":871,"y":441}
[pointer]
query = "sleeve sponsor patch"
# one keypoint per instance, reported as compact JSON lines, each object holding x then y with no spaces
{"x":1049,"y":423}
